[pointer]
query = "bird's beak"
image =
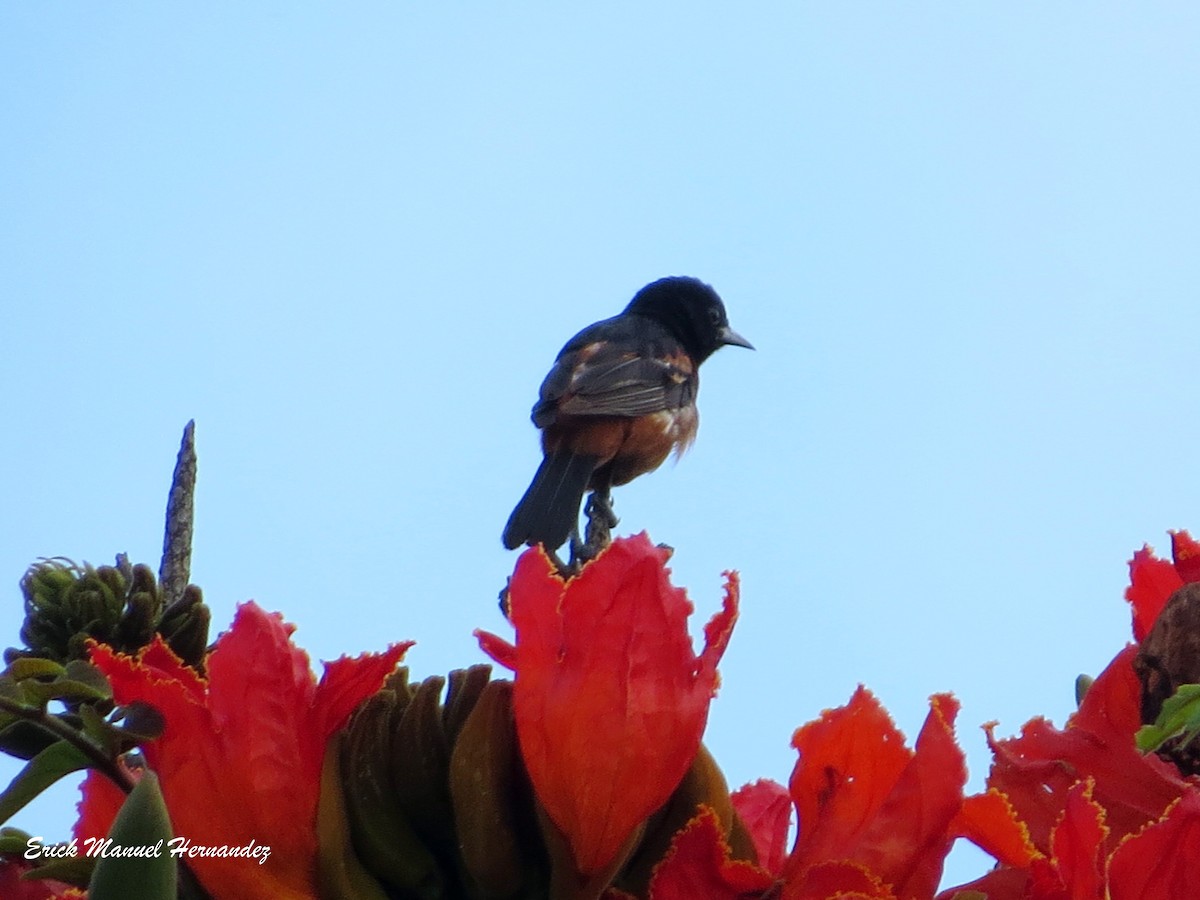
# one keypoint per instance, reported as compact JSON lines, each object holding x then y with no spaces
{"x":731,"y":337}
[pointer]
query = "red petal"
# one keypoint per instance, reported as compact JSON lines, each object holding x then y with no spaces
{"x":850,"y":759}
{"x":990,"y":822}
{"x":154,"y":664}
{"x":1077,"y":844}
{"x":344,"y":684}
{"x":1160,"y":861}
{"x":610,"y":698}
{"x":1186,"y":554}
{"x":1112,"y":708}
{"x":1151,"y":583}
{"x":497,"y":648}
{"x":698,"y":866}
{"x":836,"y":881}
{"x":1044,"y":883}
{"x":909,"y":839}
{"x":765,"y":808}
{"x":260,"y":694}
{"x":717,"y":631}
{"x":999,"y":884}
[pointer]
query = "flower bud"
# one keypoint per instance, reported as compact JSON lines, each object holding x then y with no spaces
{"x":122,"y":606}
{"x":184,"y":626}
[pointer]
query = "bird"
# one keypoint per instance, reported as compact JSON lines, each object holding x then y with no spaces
{"x":620,"y":397}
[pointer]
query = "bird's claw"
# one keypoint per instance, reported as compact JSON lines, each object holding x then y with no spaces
{"x":599,"y":506}
{"x":600,"y":522}
{"x":565,"y":570}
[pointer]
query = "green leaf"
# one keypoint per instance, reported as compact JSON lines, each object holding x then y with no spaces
{"x":142,"y":828}
{"x":1180,"y":715}
{"x":57,"y":760}
{"x":14,"y":697}
{"x":64,"y":688}
{"x":34,"y":667}
{"x":130,"y":726}
{"x":24,"y":739}
{"x":77,"y":682}
{"x":96,"y":727}
{"x":140,"y":722}
{"x":81,"y":672}
{"x":13,"y":841}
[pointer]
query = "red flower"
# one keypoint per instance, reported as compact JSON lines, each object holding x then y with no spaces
{"x":1036,"y":770}
{"x":1053,"y":794}
{"x":866,"y":802}
{"x":1034,"y":818}
{"x":874,"y":816}
{"x":765,"y":809}
{"x":610,"y":698}
{"x":1152,"y":580}
{"x":698,"y":865}
{"x":1075,"y":868}
{"x":1154,"y":863}
{"x":240,"y":758}
{"x":1080,"y":812}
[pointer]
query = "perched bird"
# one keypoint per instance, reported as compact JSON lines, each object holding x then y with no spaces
{"x":620,"y":397}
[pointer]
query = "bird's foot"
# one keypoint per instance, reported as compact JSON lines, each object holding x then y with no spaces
{"x":581,"y":551}
{"x":585,"y":552}
{"x":565,"y":570}
{"x":600,"y":523}
{"x":599,"y":507}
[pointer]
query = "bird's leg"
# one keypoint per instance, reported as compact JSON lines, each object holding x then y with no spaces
{"x":578,"y":554}
{"x":601,"y":522}
{"x":600,"y":505}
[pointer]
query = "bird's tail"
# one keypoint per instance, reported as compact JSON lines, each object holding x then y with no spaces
{"x":550,"y":508}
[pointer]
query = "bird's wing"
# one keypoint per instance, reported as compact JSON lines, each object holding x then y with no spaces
{"x":604,"y":378}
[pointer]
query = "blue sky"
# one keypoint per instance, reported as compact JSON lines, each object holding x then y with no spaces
{"x":349,"y":243}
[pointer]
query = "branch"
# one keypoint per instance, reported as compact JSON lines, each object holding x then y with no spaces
{"x":98,"y":755}
{"x":175,"y":570}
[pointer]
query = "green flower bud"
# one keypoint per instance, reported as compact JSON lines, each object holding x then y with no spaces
{"x":67,"y":604}
{"x":184,"y":626}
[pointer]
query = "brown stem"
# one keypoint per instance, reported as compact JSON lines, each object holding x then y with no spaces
{"x":100,"y":759}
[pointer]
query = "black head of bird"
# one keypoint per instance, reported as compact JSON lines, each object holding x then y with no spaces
{"x":692,"y":311}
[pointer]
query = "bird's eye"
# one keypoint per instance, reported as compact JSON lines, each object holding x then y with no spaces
{"x":715,"y":316}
